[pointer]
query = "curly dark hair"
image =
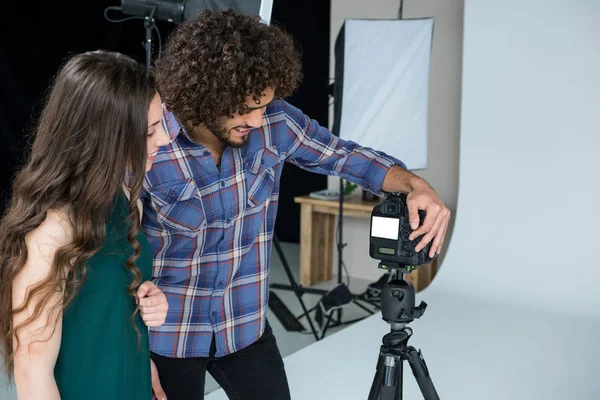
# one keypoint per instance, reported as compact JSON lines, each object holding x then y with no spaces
{"x":213,"y":62}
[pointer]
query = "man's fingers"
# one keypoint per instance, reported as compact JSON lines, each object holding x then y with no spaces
{"x":427,"y":226}
{"x":440,"y":237}
{"x":413,"y":213}
{"x":430,"y":234}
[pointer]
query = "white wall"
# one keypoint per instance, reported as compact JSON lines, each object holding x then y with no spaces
{"x":444,"y":108}
{"x":528,"y":219}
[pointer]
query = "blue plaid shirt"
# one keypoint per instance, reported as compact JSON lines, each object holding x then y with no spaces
{"x":211,"y":229}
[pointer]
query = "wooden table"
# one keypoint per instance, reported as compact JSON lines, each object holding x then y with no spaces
{"x":317,"y":231}
{"x":317,"y":238}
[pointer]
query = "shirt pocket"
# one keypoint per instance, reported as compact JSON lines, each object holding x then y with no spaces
{"x":260,"y":175}
{"x":179,"y":207}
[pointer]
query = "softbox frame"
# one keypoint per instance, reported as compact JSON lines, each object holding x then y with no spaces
{"x":381,"y":86}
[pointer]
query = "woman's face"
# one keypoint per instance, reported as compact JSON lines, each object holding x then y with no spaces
{"x":157,"y":136}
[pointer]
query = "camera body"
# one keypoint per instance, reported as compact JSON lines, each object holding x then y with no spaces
{"x":390,"y":229}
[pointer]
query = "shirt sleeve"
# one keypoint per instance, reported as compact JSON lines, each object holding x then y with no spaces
{"x":314,"y":148}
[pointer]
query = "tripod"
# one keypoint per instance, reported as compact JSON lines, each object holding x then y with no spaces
{"x":398,"y":309}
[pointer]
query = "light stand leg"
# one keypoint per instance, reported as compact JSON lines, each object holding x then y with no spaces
{"x":294,"y":285}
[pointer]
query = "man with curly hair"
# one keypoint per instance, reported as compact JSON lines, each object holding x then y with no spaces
{"x":211,"y":200}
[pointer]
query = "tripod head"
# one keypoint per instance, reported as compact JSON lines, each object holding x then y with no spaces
{"x":398,"y":298}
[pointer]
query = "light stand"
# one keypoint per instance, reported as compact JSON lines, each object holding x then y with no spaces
{"x":299,"y":291}
{"x":283,"y":314}
{"x":149,"y":24}
{"x":340,"y":267}
{"x":150,"y":11}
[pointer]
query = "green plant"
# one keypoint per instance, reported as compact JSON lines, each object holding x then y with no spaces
{"x":349,"y":187}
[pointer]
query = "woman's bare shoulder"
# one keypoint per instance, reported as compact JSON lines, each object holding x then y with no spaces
{"x":55,"y":232}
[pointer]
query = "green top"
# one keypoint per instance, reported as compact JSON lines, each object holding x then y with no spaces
{"x":99,"y":356}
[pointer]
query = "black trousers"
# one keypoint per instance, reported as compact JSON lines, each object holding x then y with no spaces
{"x":253,"y":373}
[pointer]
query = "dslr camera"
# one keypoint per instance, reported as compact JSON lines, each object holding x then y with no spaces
{"x":390,"y":229}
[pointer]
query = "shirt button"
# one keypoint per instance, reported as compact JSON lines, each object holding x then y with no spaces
{"x":207,"y":153}
{"x":222,"y":184}
{"x":214,"y":314}
{"x":228,"y":220}
{"x":220,"y":283}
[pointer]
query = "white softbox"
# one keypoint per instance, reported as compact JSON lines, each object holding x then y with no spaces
{"x":382,"y":84}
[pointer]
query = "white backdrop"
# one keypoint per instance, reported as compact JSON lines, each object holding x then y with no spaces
{"x":528,"y":219}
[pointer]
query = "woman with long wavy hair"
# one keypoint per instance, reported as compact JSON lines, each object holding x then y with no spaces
{"x":73,"y":308}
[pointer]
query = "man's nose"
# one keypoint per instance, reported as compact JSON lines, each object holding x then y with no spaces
{"x":255,"y":118}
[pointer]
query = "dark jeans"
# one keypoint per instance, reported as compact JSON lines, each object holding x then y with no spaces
{"x":255,"y":372}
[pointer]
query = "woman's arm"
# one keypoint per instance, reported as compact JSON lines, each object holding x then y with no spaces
{"x":39,"y":341}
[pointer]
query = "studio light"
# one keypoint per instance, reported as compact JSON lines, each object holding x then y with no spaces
{"x":163,"y":10}
{"x":177,"y":11}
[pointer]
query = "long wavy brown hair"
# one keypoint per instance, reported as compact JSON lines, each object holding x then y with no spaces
{"x":91,"y":133}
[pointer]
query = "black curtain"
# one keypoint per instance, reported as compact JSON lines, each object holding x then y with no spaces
{"x":308,"y":22}
{"x":36,"y":36}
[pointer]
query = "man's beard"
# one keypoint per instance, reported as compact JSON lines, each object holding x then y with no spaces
{"x":222,"y":133}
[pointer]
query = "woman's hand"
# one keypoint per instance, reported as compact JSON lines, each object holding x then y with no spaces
{"x":153,"y":304}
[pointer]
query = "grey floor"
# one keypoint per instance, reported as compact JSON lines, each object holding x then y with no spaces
{"x":289,"y":342}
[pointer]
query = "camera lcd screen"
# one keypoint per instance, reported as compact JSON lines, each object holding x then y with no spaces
{"x":386,"y":250}
{"x":385,"y":228}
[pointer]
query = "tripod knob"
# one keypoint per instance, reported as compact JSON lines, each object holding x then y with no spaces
{"x":398,"y":294}
{"x":419,"y":310}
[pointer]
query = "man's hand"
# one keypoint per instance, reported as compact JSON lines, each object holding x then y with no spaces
{"x":420,"y":196}
{"x":423,"y":197}
{"x":153,"y":304}
{"x":157,"y":391}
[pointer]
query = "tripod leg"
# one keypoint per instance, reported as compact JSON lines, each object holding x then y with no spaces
{"x":399,"y":377}
{"x":421,"y":373}
{"x":387,"y":384}
{"x":377,"y":380}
